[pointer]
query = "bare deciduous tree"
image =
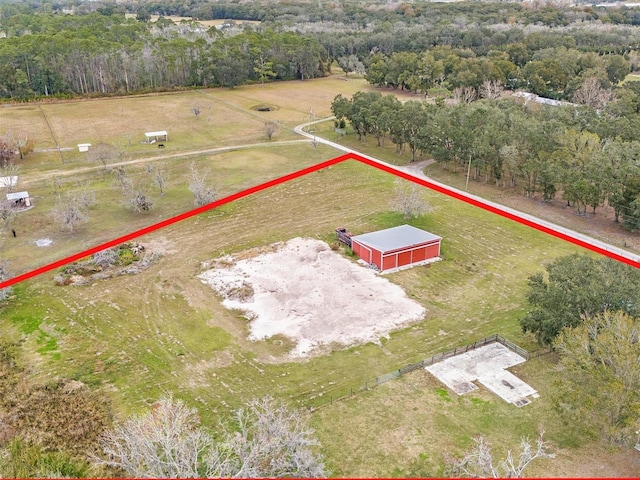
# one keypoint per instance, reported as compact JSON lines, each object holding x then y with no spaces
{"x":7,"y":150}
{"x":4,"y":274}
{"x":9,"y":170}
{"x":137,"y":198}
{"x":273,"y":441}
{"x":104,"y":153}
{"x":269,"y":440}
{"x":167,"y":442}
{"x":72,"y":207}
{"x":122,"y":178}
{"x":592,"y":94}
{"x":270,"y":128}
{"x":22,"y":141}
{"x":6,"y":214}
{"x":85,"y":196}
{"x":479,"y":462}
{"x":408,"y":199}
{"x":202,"y":192}
{"x":158,"y":176}
{"x":491,"y":89}
{"x":196,"y":108}
{"x":69,"y":211}
{"x":464,"y":95}
{"x":159,"y":179}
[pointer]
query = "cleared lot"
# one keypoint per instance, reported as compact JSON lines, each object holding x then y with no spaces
{"x":486,"y":365}
{"x":303,"y":290}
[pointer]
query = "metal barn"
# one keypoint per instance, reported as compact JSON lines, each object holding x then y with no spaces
{"x":397,"y":247}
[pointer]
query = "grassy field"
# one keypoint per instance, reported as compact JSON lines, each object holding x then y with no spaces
{"x":632,"y":77}
{"x":162,"y":330}
{"x":230,"y":122}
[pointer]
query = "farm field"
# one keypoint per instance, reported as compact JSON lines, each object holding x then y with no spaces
{"x":135,"y":337}
{"x":228,"y":139}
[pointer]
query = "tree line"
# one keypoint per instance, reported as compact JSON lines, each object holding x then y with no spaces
{"x":555,"y":72}
{"x":588,"y":157}
{"x":98,"y":51}
{"x":98,"y":54}
{"x":588,"y":309}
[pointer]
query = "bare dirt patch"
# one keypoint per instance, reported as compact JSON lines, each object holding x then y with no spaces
{"x":304,"y":291}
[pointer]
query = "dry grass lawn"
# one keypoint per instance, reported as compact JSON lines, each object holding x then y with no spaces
{"x":136,"y":337}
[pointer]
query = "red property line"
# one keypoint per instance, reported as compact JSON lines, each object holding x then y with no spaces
{"x":301,"y":173}
{"x":172,"y":220}
{"x":506,"y":214}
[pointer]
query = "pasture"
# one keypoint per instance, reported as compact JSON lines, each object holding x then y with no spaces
{"x":135,"y":337}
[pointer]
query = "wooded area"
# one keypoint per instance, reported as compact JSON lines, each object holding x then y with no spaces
{"x":93,"y":48}
{"x":588,"y":155}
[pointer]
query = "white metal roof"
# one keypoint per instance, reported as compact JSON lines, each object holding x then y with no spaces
{"x":156,"y":134}
{"x":17,"y":195}
{"x":395,"y":238}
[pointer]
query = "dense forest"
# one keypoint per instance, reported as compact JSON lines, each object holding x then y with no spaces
{"x":94,"y":48}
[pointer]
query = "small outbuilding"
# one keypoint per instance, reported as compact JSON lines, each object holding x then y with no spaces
{"x":398,"y":247}
{"x":83,"y":147}
{"x":159,"y":136}
{"x":19,"y":199}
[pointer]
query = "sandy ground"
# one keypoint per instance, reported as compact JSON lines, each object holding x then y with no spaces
{"x":487,"y":366}
{"x":316,"y":297}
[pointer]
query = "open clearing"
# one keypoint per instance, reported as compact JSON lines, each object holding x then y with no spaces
{"x":312,"y":295}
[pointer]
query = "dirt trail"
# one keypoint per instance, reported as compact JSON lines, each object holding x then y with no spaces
{"x":38,"y":177}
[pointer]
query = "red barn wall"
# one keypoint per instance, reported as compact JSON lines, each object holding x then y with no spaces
{"x":361,"y":251}
{"x":420,"y":254}
{"x":433,"y":250}
{"x":405,"y":258}
{"x":376,"y":257}
{"x":399,"y":258}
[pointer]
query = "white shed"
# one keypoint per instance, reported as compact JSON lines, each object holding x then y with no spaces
{"x":19,"y":199}
{"x":84,"y":147}
{"x":159,"y":136}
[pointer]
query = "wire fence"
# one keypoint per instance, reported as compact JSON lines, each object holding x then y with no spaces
{"x":337,"y":394}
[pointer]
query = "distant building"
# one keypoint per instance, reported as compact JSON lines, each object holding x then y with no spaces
{"x":159,"y":136}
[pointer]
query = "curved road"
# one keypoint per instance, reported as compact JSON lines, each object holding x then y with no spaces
{"x":415,"y":171}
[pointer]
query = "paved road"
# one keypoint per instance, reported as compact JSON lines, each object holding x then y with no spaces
{"x":416,"y":171}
